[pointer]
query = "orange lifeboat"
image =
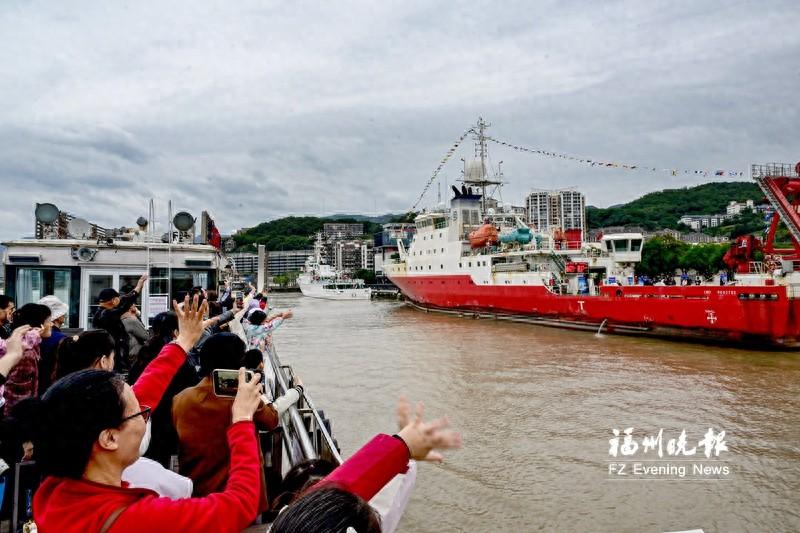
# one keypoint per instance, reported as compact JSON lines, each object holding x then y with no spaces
{"x":485,"y":235}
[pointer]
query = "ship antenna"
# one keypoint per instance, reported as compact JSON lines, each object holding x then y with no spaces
{"x":482,"y":152}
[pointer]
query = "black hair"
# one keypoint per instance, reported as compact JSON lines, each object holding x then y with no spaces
{"x":222,"y":350}
{"x":197,"y":291}
{"x":163,"y":326}
{"x":257,"y":317}
{"x":300,"y":477}
{"x":33,"y":315}
{"x":327,"y":510}
{"x":253,"y":358}
{"x":91,"y":346}
{"x":69,"y":418}
{"x":5,"y":300}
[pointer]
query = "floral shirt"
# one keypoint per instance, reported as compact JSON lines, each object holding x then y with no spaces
{"x":23,"y":380}
{"x":257,"y":334}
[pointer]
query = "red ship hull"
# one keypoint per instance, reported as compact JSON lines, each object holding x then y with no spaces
{"x":758,"y":315}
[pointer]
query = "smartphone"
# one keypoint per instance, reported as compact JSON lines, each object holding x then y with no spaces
{"x":226,"y":382}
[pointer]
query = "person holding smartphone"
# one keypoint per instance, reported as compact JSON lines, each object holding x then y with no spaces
{"x":200,"y":417}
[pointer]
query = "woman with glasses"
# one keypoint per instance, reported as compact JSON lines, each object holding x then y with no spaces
{"x":90,"y":429}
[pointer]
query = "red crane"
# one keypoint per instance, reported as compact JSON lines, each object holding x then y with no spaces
{"x":781,"y":186}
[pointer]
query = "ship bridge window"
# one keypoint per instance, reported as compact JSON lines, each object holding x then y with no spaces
{"x":621,"y":245}
{"x":636,"y":245}
{"x":608,"y":246}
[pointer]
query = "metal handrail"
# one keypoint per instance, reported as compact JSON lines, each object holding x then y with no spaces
{"x":323,"y":430}
{"x":296,"y":425}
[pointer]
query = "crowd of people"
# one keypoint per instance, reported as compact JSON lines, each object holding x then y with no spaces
{"x":104,"y":413}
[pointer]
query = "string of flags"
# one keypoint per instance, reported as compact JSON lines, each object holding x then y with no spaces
{"x":442,"y":163}
{"x":556,"y":155}
{"x":626,"y":166}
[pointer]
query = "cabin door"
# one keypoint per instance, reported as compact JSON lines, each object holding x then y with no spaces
{"x":93,"y":281}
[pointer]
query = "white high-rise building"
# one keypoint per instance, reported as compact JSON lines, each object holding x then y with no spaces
{"x":550,"y":210}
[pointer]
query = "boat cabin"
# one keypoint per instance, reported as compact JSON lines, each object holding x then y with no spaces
{"x":77,"y":270}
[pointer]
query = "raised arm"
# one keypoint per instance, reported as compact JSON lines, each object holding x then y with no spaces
{"x":155,"y":379}
{"x":127,"y":300}
{"x":11,"y":351}
{"x":382,"y":458}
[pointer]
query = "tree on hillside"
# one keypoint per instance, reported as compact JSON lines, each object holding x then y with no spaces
{"x":705,"y":259}
{"x":293,"y":233}
{"x":661,"y":256}
{"x":664,"y":255}
{"x":658,"y":210}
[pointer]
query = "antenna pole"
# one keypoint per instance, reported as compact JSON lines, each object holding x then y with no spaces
{"x":482,"y":152}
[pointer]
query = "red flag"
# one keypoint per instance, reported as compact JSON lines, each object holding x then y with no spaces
{"x":214,"y":238}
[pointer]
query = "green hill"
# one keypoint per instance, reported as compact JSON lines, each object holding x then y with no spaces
{"x":658,"y":210}
{"x":297,"y":233}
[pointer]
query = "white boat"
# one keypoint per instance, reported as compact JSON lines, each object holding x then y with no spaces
{"x":322,"y":281}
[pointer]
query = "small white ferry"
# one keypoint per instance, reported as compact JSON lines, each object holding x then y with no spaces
{"x":321,"y":281}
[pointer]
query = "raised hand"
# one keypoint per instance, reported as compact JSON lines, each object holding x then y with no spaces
{"x":190,"y":321}
{"x":402,"y":412}
{"x":423,"y":438}
{"x":14,"y":345}
{"x":248,"y":397}
{"x":140,"y":283}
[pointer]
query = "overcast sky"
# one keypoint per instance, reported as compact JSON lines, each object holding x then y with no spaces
{"x":255,"y":110}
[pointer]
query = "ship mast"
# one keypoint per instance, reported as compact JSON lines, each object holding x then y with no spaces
{"x":482,"y":153}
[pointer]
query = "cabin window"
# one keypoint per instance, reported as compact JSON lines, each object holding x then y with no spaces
{"x":442,"y":250}
{"x":469,"y":264}
{"x":608,"y":246}
{"x":440,"y":235}
{"x":35,"y":283}
{"x":621,"y":245}
{"x":636,"y":245}
{"x":429,"y":267}
{"x":442,"y":267}
{"x":459,"y":265}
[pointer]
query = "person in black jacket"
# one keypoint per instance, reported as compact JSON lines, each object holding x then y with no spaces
{"x":109,"y":318}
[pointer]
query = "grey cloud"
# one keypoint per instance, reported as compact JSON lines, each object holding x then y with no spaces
{"x":327,"y":108}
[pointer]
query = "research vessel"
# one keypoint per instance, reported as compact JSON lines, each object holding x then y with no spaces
{"x":473,"y":260}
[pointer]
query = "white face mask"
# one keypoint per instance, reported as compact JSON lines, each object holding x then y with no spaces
{"x":145,"y":440}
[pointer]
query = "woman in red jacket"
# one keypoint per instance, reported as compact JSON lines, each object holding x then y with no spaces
{"x":338,"y":503}
{"x":92,"y":424}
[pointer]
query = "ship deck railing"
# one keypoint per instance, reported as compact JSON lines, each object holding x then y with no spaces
{"x":306,"y":433}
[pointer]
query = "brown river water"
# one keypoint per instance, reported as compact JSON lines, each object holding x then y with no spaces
{"x":536,"y":407}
